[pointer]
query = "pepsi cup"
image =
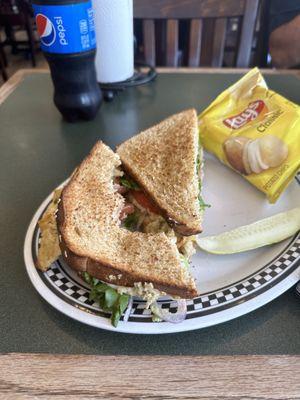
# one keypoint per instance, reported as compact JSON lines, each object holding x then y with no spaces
{"x":67,"y":36}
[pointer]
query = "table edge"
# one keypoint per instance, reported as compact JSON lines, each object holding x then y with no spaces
{"x":12,"y":83}
{"x":183,"y":377}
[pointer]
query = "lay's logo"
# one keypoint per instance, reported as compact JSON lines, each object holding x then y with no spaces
{"x":250,"y":113}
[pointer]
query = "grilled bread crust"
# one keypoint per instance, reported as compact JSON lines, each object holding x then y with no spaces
{"x":163,"y":161}
{"x":92,"y":240}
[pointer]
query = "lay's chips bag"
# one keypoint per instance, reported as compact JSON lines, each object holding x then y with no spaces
{"x":255,"y":131}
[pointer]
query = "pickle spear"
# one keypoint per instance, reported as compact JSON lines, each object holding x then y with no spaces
{"x":261,"y":233}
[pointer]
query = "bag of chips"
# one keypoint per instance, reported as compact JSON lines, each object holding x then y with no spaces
{"x":255,"y":131}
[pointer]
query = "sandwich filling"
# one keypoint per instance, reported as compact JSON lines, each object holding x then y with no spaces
{"x":141,"y":214}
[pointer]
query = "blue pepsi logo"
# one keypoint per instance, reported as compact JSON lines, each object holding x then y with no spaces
{"x":45,"y":30}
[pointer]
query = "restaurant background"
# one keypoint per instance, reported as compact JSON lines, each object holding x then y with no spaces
{"x":274,"y":40}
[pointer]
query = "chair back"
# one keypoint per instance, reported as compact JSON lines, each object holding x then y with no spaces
{"x":208,"y":21}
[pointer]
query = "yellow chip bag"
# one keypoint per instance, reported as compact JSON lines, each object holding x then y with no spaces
{"x":255,"y":131}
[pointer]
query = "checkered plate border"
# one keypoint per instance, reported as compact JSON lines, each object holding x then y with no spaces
{"x":66,"y":285}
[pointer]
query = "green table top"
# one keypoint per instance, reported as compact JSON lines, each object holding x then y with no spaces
{"x":38,"y":151}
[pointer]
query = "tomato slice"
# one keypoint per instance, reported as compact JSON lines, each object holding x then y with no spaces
{"x":145,"y":201}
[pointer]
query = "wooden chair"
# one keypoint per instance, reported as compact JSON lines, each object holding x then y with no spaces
{"x":213,"y":14}
{"x":18,"y":14}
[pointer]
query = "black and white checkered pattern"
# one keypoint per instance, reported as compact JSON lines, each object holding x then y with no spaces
{"x":57,"y":275}
{"x":60,"y":280}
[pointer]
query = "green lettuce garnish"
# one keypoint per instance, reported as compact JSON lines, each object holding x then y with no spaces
{"x":129,"y":183}
{"x":108,"y":298}
{"x":184,"y":261}
{"x":202,"y":203}
{"x":131,"y":221}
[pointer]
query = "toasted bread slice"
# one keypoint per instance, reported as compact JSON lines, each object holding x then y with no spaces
{"x":163,"y":161}
{"x":92,"y":240}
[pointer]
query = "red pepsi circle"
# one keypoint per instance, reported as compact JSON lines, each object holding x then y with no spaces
{"x":46,"y":30}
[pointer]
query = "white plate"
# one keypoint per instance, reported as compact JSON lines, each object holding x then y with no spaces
{"x":230,"y":286}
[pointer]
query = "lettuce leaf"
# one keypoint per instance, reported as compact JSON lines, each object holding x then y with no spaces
{"x":108,"y":298}
{"x":129,"y":183}
{"x":131,"y":222}
{"x":202,"y":203}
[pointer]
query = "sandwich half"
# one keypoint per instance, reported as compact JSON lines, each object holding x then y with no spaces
{"x":163,"y":172}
